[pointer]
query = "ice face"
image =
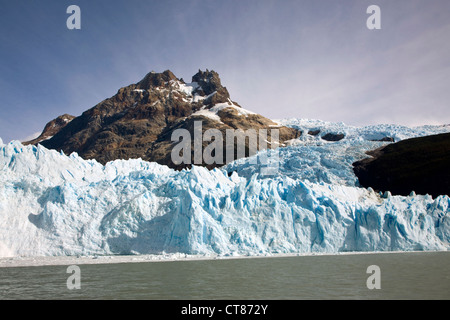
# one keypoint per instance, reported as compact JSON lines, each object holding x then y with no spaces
{"x":54,"y":204}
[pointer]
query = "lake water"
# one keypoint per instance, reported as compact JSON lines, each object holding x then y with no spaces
{"x":401,"y":276}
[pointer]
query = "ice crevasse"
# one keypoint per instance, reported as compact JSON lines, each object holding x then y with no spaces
{"x":53,"y":204}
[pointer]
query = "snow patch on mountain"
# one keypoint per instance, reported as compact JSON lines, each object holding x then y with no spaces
{"x":208,"y":114}
{"x":213,"y":112}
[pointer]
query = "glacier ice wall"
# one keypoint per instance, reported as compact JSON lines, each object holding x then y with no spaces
{"x":54,"y":204}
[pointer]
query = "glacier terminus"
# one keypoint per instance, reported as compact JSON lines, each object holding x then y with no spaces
{"x":52,"y":204}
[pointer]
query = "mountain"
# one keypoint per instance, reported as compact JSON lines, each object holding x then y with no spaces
{"x":52,"y":128}
{"x":138,"y":122}
{"x":419,"y":164}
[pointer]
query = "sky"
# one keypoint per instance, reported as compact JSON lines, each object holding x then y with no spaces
{"x":311,"y":59}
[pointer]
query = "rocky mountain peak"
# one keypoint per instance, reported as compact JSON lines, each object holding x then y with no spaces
{"x":209,"y":81}
{"x":139,"y":120}
{"x":209,"y":85}
{"x":154,"y":79}
{"x":205,"y":82}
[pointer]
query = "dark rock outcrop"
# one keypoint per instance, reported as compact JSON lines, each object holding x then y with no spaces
{"x":333,"y":136}
{"x":385,"y":139}
{"x":314,"y":132}
{"x":209,"y":84}
{"x":420,"y":164}
{"x":139,"y":120}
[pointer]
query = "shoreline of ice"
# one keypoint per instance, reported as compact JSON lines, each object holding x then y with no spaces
{"x":15,"y":262}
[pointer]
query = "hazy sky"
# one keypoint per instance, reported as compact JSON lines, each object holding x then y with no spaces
{"x":286,"y":58}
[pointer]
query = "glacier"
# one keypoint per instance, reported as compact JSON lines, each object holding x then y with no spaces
{"x":52,"y":204}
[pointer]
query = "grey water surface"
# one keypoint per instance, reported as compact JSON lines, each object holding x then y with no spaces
{"x":401,"y":276}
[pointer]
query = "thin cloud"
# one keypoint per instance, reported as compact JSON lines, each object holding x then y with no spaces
{"x":308,"y":59}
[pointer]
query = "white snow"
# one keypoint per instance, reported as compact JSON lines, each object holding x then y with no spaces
{"x":208,"y":114}
{"x":52,"y":204}
{"x":186,"y":88}
{"x":225,"y":105}
{"x":213,"y":112}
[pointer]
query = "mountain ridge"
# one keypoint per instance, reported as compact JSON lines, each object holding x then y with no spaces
{"x":138,"y":120}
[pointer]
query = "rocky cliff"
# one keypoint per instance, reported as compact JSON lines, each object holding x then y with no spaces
{"x":419,"y":164}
